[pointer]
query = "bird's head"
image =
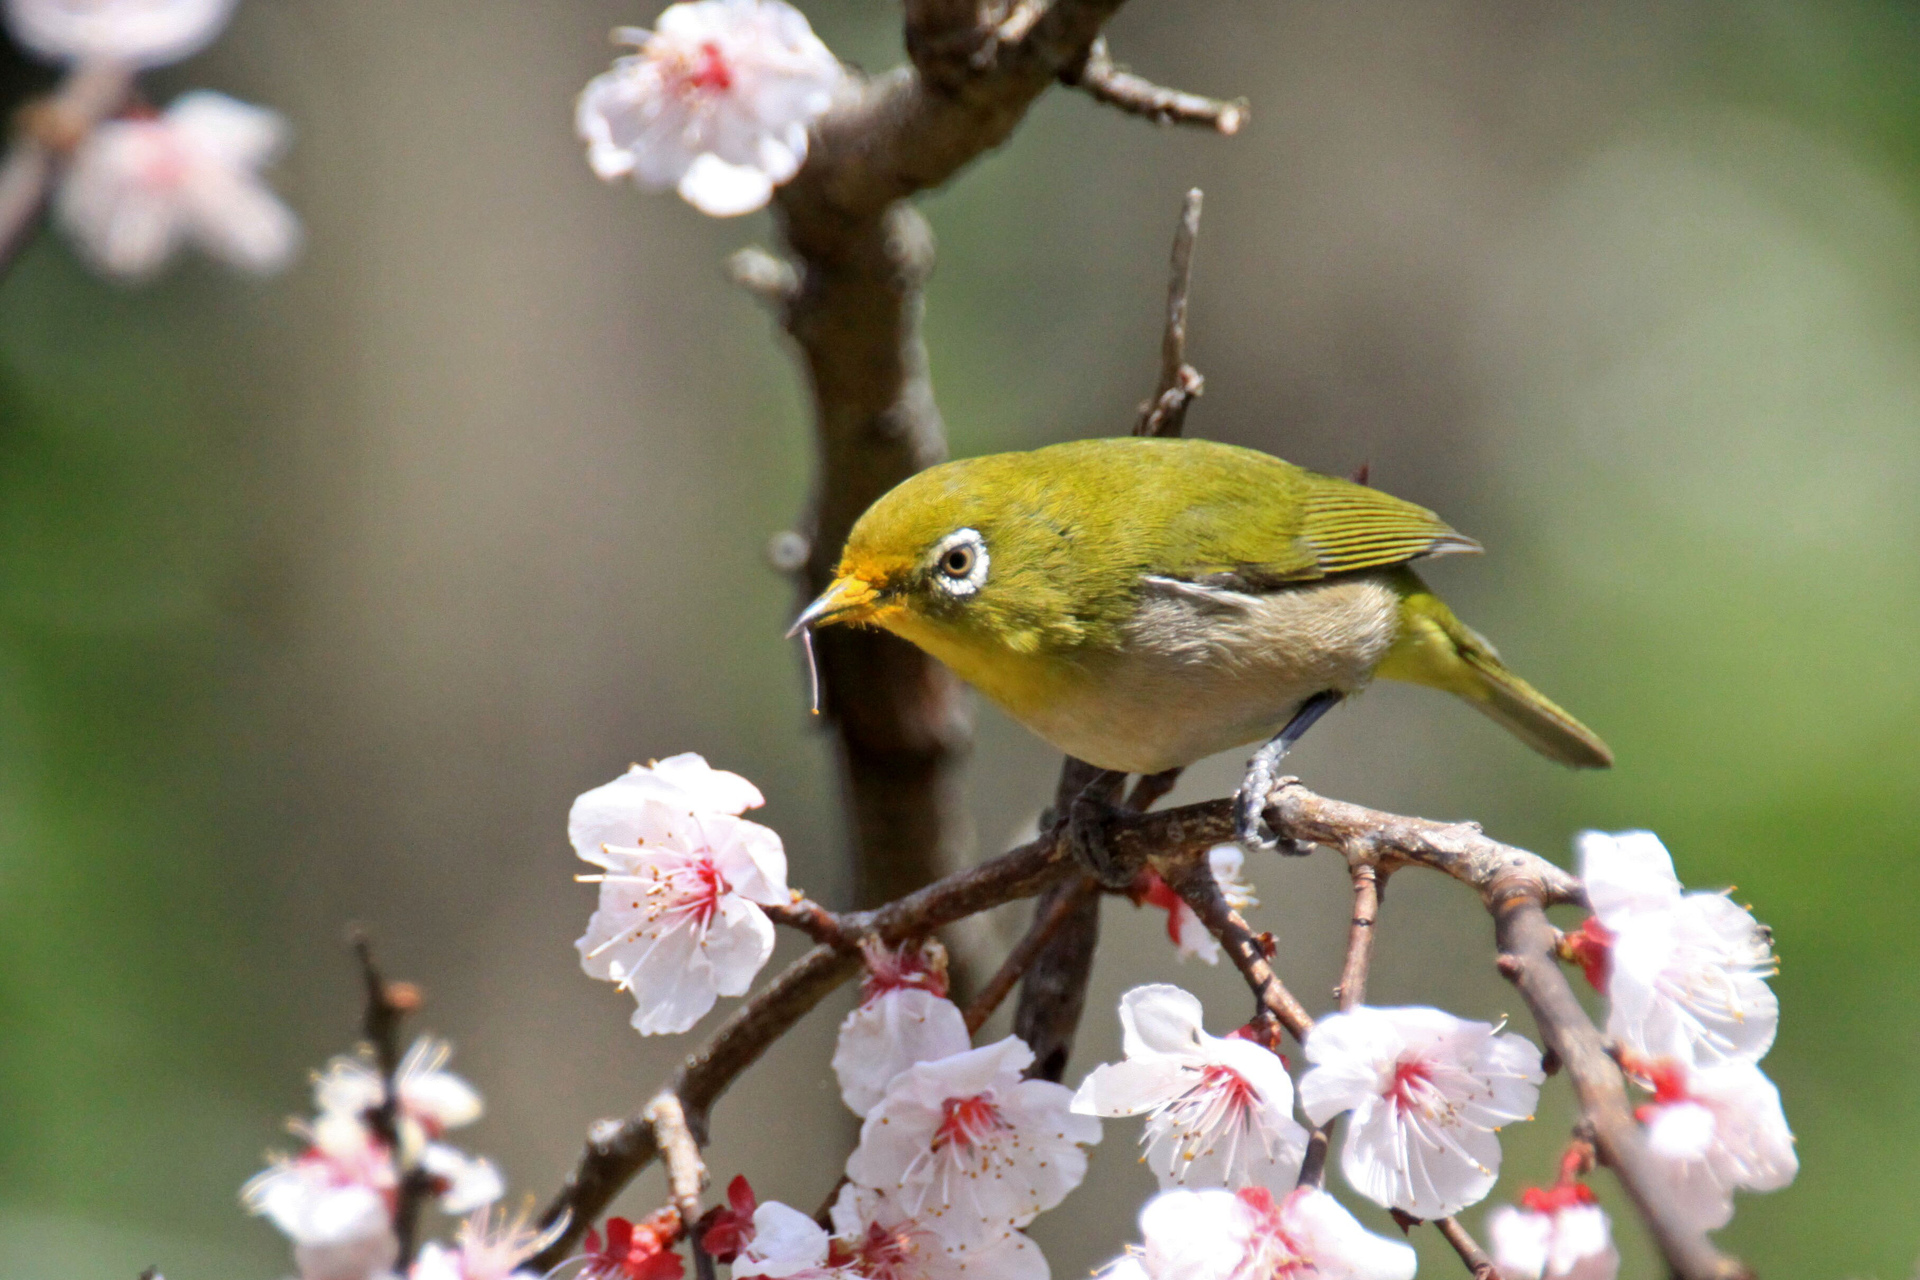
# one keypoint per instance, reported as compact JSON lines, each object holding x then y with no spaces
{"x":968,"y":560}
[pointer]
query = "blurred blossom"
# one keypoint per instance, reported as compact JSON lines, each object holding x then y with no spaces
{"x":1427,"y":1091}
{"x":903,"y":1017}
{"x":1685,"y":974}
{"x":1185,"y":929}
{"x":1559,"y":1233}
{"x":144,"y":33}
{"x":1219,"y":1112}
{"x":137,"y":189}
{"x":431,"y":1098}
{"x":1713,"y":1130}
{"x":716,"y":103}
{"x":677,"y":925}
{"x":334,"y":1201}
{"x":1247,"y":1235}
{"x":485,"y":1251}
{"x":971,"y":1149}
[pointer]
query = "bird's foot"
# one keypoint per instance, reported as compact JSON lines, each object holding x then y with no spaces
{"x":1090,"y":815}
{"x":1250,"y":828}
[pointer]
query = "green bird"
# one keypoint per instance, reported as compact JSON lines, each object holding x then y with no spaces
{"x":1142,"y":603}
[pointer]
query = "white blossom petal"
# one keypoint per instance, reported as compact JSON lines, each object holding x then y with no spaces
{"x":1568,"y":1242}
{"x":1251,"y":1235}
{"x":886,"y":1035}
{"x":144,"y":33}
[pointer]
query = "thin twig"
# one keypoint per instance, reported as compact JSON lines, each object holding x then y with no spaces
{"x":812,"y":919}
{"x":47,"y":131}
{"x":388,"y":1004}
{"x":1045,"y":925}
{"x":1526,"y":941}
{"x":1107,"y":82}
{"x":1468,"y":1248}
{"x":686,"y":1172}
{"x":1180,"y":383}
{"x":1193,"y":880}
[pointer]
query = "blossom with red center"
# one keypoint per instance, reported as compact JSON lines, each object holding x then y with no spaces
{"x":138,"y":189}
{"x":968,"y":1148}
{"x":144,"y":33}
{"x":1713,"y":1130}
{"x":1557,"y":1233}
{"x":1185,"y":929}
{"x":635,"y":1251}
{"x":1427,"y":1091}
{"x":1215,"y":1234}
{"x":1219,"y":1110}
{"x":873,"y":1240}
{"x":677,"y":925}
{"x":1685,"y":974}
{"x":903,"y":1017}
{"x":716,"y":103}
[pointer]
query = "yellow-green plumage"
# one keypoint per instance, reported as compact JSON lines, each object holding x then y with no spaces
{"x":1141,"y":603}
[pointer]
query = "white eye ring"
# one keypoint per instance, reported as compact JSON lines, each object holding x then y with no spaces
{"x":959,"y":563}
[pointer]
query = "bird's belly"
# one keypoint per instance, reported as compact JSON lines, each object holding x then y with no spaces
{"x":1203,"y":670}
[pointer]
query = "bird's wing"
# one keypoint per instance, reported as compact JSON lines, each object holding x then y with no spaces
{"x":1335,"y":527}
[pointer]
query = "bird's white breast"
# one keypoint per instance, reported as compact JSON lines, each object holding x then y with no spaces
{"x":1204,"y":669}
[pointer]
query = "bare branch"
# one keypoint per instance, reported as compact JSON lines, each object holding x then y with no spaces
{"x":1526,"y":941}
{"x":770,"y":278}
{"x":1468,"y":1248}
{"x":1106,"y":82}
{"x":1053,"y":993}
{"x":46,"y":132}
{"x":1180,"y":383}
{"x":1369,"y":882}
{"x":1193,"y":880}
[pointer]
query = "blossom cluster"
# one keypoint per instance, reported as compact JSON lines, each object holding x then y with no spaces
{"x":1690,"y":1016}
{"x":716,"y":103}
{"x":136,"y":188}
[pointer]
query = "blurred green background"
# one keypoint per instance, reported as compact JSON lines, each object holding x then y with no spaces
{"x":321,"y":598}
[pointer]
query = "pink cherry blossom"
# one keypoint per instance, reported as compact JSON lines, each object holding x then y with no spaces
{"x":1685,"y":974}
{"x":144,"y":33}
{"x":1216,"y":1234}
{"x":716,"y":103}
{"x":1427,"y":1091}
{"x":1559,"y":1233}
{"x":903,"y":1017}
{"x":1714,"y":1130}
{"x":1185,"y":929}
{"x":137,"y":189}
{"x":970,"y":1149}
{"x":677,"y":925}
{"x":1219,"y":1111}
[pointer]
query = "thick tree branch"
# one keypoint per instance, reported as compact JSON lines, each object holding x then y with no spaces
{"x":1104,"y":81}
{"x":1053,"y":992}
{"x":852,"y":301}
{"x":46,"y":131}
{"x":1526,"y":940}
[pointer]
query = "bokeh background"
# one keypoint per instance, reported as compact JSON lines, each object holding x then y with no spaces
{"x":320,"y":598}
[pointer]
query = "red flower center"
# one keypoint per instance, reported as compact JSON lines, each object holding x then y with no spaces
{"x":1554,"y":1199}
{"x":1412,"y":1081}
{"x":703,"y":895}
{"x":711,"y":70}
{"x":965,"y":1121}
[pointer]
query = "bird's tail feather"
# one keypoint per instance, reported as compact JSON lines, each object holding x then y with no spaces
{"x":1438,"y":650}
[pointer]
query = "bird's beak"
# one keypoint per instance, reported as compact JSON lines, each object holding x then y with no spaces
{"x":849,"y":599}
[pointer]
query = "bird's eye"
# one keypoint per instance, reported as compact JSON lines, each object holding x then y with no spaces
{"x":959,"y":563}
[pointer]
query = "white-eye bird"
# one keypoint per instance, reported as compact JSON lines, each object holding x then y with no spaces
{"x":1141,"y":603}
